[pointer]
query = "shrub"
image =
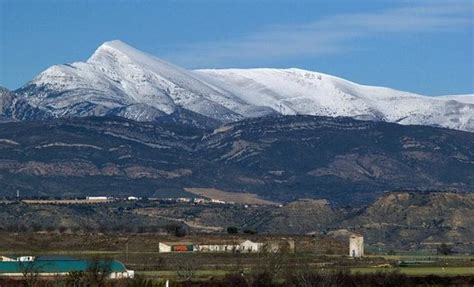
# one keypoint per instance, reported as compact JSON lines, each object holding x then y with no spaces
{"x":181,"y":230}
{"x":444,"y":249}
{"x":232,"y":230}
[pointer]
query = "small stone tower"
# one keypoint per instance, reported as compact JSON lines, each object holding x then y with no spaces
{"x":356,"y":246}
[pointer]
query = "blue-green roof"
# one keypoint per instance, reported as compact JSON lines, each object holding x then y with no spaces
{"x":56,"y":266}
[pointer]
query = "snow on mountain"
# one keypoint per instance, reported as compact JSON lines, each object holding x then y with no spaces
{"x":296,"y":91}
{"x":120,"y":80}
{"x":467,"y":98}
{"x":13,"y":108}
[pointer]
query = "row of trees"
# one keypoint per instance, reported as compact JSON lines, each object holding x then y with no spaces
{"x":235,"y":230}
{"x":179,"y":230}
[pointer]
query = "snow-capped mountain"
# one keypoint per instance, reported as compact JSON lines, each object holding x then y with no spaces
{"x":120,"y":80}
{"x":296,"y":91}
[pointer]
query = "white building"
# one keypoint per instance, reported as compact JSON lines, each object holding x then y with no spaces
{"x":200,"y":200}
{"x":123,"y":274}
{"x":25,"y":258}
{"x":250,"y":246}
{"x":97,"y":198}
{"x":183,"y":199}
{"x":164,"y":248}
{"x":217,"y":201}
{"x":356,"y":246}
{"x":245,"y":246}
{"x":176,"y":247}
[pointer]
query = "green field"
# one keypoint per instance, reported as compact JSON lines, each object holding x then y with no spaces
{"x":198,"y":274}
{"x":420,"y":271}
{"x":424,"y":257}
{"x":411,"y":271}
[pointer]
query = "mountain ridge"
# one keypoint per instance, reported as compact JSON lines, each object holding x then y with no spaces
{"x":119,"y":80}
{"x":280,"y":158}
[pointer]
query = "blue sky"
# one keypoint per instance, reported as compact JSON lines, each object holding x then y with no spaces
{"x":423,"y":46}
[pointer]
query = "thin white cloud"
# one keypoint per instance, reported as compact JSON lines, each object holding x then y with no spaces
{"x":332,"y":34}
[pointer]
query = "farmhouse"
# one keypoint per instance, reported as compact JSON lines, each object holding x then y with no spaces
{"x":232,"y":246}
{"x":356,"y":246}
{"x":61,"y":266}
{"x":245,"y":246}
{"x":241,"y":246}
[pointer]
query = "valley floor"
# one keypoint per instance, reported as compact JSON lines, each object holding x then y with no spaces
{"x":139,"y":252}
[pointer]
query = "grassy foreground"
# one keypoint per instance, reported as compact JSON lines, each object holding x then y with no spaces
{"x":410,"y":271}
{"x":420,"y":271}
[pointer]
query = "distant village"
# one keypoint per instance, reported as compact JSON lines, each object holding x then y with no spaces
{"x":105,"y":199}
{"x":108,"y":199}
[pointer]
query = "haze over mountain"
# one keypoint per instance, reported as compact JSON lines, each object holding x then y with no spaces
{"x":120,"y":80}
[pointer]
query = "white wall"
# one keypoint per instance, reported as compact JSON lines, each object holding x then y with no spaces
{"x":356,"y":246}
{"x":164,"y":248}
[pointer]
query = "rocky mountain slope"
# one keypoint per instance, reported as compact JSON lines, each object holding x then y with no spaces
{"x":419,"y":218}
{"x":279,"y":158}
{"x":122,"y":81}
{"x":13,"y":108}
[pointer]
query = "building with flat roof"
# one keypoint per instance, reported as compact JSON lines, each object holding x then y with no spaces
{"x":227,"y":245}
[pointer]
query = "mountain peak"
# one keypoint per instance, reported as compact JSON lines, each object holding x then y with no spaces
{"x":113,"y":43}
{"x":114,"y":47}
{"x":118,"y":51}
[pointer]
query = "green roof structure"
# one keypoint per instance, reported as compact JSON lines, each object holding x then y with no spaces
{"x":58,"y":266}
